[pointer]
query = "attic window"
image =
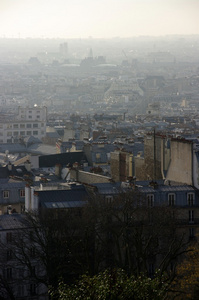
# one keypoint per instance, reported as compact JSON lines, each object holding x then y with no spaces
{"x":22,"y":193}
{"x":5,"y":194}
{"x":150,"y":200}
{"x":171,"y":199}
{"x":190,"y":199}
{"x":109,"y":199}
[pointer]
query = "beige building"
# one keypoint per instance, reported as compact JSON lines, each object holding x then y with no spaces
{"x":28,"y":122}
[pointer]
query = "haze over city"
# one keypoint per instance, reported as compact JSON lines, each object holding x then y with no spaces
{"x":99,"y":149}
{"x":97,"y":19}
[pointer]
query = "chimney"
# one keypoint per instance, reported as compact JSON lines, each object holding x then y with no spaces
{"x":9,"y":210}
{"x":27,"y":198}
{"x":9,"y":166}
{"x":58,"y":170}
{"x":27,"y":165}
{"x":35,"y":202}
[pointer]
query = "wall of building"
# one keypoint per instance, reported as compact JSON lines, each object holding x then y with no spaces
{"x":196,"y":168}
{"x":140,"y":173}
{"x":165,"y":156}
{"x":149,"y":168}
{"x":86,"y":177}
{"x":28,"y":122}
{"x":180,"y":167}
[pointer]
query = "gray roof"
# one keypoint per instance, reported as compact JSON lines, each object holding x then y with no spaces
{"x":42,"y":149}
{"x":108,"y":188}
{"x":166,"y":188}
{"x":64,"y":204}
{"x":13,"y":221}
{"x":12,"y":148}
{"x":63,"y":198}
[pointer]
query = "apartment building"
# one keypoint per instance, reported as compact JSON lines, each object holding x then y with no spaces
{"x":27,"y":122}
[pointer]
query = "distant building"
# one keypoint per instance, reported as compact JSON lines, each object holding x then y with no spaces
{"x":121,"y":165}
{"x":63,"y":49}
{"x":28,"y":122}
{"x":17,"y":280}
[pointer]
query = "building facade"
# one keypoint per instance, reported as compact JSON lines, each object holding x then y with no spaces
{"x":28,"y":122}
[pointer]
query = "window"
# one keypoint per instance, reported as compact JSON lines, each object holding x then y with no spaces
{"x":35,"y":125}
{"x":38,"y":117}
{"x":20,"y":292}
{"x":29,"y":117}
{"x":28,"y":125}
{"x":150,"y":200}
{"x":9,"y":133}
{"x":191,"y":233}
{"x":109,"y":199}
{"x":28,"y":133}
{"x":31,"y":236}
{"x":9,"y":126}
{"x":33,"y":289}
{"x":20,"y":273}
{"x":5,"y":194}
{"x":1,"y":133}
{"x":32,"y":252}
{"x":22,"y":125}
{"x":22,"y":132}
{"x":15,"y":133}
{"x":8,"y":273}
{"x":151,"y":270}
{"x":42,"y":124}
{"x":9,"y":255}
{"x":22,"y":116}
{"x":15,"y":126}
{"x":32,"y":271}
{"x":9,"y":237}
{"x":191,"y":216}
{"x":171,"y":199}
{"x":22,"y":193}
{"x":190,"y":199}
{"x":35,"y":132}
{"x":30,"y":111}
{"x":1,"y":125}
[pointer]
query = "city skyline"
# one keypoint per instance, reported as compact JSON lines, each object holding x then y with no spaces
{"x":97,"y":19}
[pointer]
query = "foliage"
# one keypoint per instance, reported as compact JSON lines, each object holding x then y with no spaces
{"x":187,"y":280}
{"x":113,"y":285}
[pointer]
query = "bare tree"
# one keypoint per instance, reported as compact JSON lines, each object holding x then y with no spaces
{"x":124,"y":232}
{"x":135,"y":236}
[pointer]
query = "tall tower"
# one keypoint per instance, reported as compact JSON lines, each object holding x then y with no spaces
{"x":90,"y":53}
{"x":63,"y":49}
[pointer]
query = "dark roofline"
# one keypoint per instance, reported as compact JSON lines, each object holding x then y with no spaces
{"x":47,"y":161}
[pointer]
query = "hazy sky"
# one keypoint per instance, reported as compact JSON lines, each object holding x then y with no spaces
{"x":97,"y":18}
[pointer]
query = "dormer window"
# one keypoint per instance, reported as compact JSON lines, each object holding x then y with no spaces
{"x":150,"y":200}
{"x":109,"y":199}
{"x":5,"y":194}
{"x":22,"y":193}
{"x":190,"y":199}
{"x":171,"y":199}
